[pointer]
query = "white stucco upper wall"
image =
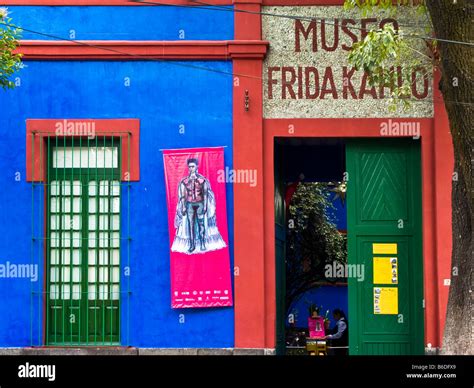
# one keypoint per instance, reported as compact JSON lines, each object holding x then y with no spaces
{"x":341,"y":92}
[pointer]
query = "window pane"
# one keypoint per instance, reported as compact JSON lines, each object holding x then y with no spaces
{"x":115,"y":239}
{"x":66,"y":291}
{"x":66,"y":275}
{"x":115,"y":292}
{"x":92,"y":222}
{"x":115,"y":205}
{"x":76,"y":188}
{"x":76,"y":291}
{"x":54,"y":275}
{"x":55,"y":222}
{"x":76,"y":222}
{"x":92,"y":205}
{"x":76,"y":274}
{"x":76,"y":205}
{"x":65,"y":256}
{"x":92,"y":188}
{"x":115,"y":275}
{"x":92,"y":256}
{"x":103,"y":222}
{"x":92,"y":240}
{"x":54,"y":205}
{"x":54,"y":188}
{"x":55,"y":239}
{"x":103,"y":290}
{"x":103,"y":258}
{"x":66,"y":222}
{"x":103,"y":274}
{"x":92,"y":275}
{"x":104,"y":239}
{"x":103,"y":205}
{"x":92,"y":292}
{"x":76,"y":257}
{"x":54,"y":256}
{"x":66,"y":188}
{"x":76,"y":240}
{"x":66,"y":202}
{"x":104,"y":188}
{"x":84,"y":157}
{"x":115,"y":223}
{"x":66,"y":239}
{"x":115,"y":257}
{"x":115,"y":188}
{"x":54,"y":291}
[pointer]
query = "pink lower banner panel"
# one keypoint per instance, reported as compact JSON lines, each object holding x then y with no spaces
{"x":197,"y":223}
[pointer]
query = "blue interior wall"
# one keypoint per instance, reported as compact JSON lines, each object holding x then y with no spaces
{"x":125,"y":23}
{"x":326,"y":298}
{"x":164,"y":96}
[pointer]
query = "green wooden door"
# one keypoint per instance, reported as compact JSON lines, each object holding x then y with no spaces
{"x":280,"y":247}
{"x":384,"y":236}
{"x":83,"y":250}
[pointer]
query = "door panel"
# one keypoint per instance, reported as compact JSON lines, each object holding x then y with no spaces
{"x":384,"y":206}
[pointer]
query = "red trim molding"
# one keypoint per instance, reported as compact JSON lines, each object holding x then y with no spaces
{"x":38,"y":132}
{"x":111,"y":2}
{"x":134,"y":50}
{"x":303,"y":2}
{"x":169,"y":2}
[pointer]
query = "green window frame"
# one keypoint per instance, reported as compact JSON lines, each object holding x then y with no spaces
{"x":83,"y":210}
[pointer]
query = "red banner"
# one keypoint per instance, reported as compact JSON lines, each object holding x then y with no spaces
{"x":197,"y":222}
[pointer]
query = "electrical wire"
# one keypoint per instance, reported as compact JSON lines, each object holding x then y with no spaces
{"x":176,"y":63}
{"x":294,"y":17}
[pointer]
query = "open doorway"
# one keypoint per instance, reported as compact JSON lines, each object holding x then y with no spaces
{"x":312,"y":226}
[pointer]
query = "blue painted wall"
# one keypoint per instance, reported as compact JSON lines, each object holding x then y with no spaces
{"x":163,"y":95}
{"x":328,"y":297}
{"x":125,"y":23}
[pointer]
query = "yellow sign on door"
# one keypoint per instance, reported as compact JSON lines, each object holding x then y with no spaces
{"x":385,"y":270}
{"x":384,"y":249}
{"x":385,"y":300}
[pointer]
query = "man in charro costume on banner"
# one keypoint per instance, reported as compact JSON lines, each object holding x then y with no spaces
{"x":196,"y":215}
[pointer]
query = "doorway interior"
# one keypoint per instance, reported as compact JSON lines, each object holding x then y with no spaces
{"x":348,"y":236}
{"x":311,"y":228}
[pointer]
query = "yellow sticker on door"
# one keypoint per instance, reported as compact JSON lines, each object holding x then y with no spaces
{"x":385,"y":270}
{"x":385,"y":300}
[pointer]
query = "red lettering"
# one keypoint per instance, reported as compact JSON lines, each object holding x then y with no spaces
{"x":363,"y":88}
{"x":349,"y":33}
{"x":288,"y":84}
{"x":300,"y":82}
{"x":328,"y":78}
{"x":271,"y":81}
{"x":307,"y":73}
{"x":299,"y":29}
{"x":347,"y":83}
{"x":335,"y":28}
{"x":364,"y":23}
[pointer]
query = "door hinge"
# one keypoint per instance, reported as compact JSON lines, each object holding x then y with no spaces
{"x":423,"y":303}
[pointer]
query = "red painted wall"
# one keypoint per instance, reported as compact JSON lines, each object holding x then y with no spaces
{"x":257,"y":255}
